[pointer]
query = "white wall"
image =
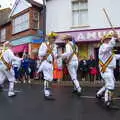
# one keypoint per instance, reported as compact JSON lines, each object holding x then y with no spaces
{"x":97,"y":17}
{"x":59,"y":14}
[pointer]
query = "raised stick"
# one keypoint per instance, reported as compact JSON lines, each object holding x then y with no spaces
{"x":109,"y":20}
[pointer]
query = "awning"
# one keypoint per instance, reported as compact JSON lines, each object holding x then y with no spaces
{"x":20,"y":48}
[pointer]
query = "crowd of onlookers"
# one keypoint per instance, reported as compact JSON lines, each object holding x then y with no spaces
{"x":88,"y":69}
{"x":26,"y":70}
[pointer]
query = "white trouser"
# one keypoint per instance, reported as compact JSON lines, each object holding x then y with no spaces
{"x":72,"y":69}
{"x":109,"y":79}
{"x":47,"y":69}
{"x":47,"y":88}
{"x":10,"y":76}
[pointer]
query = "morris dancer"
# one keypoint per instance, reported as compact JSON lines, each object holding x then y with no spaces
{"x":6,"y":70}
{"x":47,"y":51}
{"x":107,"y":64}
{"x":70,"y":55}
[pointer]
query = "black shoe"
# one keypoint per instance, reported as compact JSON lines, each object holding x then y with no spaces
{"x":1,"y":88}
{"x":78,"y":94}
{"x":49,"y":97}
{"x":99,"y":97}
{"x":74,"y":91}
{"x":110,"y":106}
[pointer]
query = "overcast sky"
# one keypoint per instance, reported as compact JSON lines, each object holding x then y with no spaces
{"x":6,"y":3}
{"x":9,"y":3}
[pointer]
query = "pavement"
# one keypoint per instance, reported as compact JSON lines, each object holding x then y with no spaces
{"x":29,"y":104}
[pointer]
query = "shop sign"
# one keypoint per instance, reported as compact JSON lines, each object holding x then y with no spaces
{"x":92,"y":35}
{"x":88,"y":35}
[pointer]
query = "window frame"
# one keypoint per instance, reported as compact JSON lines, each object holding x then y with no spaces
{"x":36,"y":20}
{"x":3,"y":37}
{"x":79,"y":10}
{"x":18,"y":26}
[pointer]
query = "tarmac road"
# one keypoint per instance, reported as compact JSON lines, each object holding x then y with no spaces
{"x":29,"y":104}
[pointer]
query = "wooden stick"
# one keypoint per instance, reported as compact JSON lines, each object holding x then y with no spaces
{"x":113,"y":29}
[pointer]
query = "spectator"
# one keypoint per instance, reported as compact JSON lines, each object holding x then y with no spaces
{"x":25,"y":69}
{"x":16,"y":67}
{"x":117,"y":70}
{"x":32,"y":66}
{"x":66,"y":75}
{"x":58,"y":73}
{"x":60,"y":69}
{"x":92,"y":67}
{"x":83,"y":66}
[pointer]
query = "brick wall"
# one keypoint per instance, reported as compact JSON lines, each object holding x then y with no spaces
{"x":30,"y":31}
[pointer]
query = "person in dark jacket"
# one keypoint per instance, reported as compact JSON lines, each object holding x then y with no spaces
{"x":83,"y":66}
{"x":25,"y":66}
{"x":33,"y":65}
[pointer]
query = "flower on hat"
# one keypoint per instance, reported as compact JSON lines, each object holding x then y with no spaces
{"x":107,"y":36}
{"x":52,"y":34}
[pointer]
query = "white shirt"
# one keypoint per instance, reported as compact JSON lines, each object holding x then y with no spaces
{"x":105,"y":51}
{"x":43,"y":51}
{"x":9,"y":57}
{"x":16,"y":63}
{"x":59,"y":63}
{"x":47,"y":70}
{"x":68,"y":51}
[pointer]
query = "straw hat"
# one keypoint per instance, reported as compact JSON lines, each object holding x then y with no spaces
{"x":67,"y":37}
{"x":107,"y":36}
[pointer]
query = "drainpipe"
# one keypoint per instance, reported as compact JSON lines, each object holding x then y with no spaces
{"x":44,"y":19}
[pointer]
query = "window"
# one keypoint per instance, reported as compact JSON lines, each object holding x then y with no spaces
{"x":35,"y":20}
{"x":3,"y":35}
{"x":80,"y":12}
{"x":21,"y":23}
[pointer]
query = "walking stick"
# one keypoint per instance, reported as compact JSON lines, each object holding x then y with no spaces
{"x":108,"y":19}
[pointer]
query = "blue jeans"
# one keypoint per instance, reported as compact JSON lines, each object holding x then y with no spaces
{"x":17,"y":72}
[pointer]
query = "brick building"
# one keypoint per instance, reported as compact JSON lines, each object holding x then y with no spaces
{"x":22,"y":25}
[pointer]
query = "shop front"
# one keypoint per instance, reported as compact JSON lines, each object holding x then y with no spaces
{"x":26,"y":45}
{"x":20,"y":49}
{"x":33,"y":49}
{"x":88,"y":41}
{"x":34,"y":46}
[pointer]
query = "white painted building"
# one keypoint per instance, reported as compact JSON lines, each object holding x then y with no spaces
{"x":60,"y":16}
{"x":84,"y":19}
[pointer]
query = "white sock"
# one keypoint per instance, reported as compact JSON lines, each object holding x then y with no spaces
{"x":77,"y":85}
{"x":108,"y":95}
{"x":45,"y":84}
{"x":11,"y":86}
{"x":47,"y":92}
{"x":46,"y":88}
{"x":100,"y":92}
